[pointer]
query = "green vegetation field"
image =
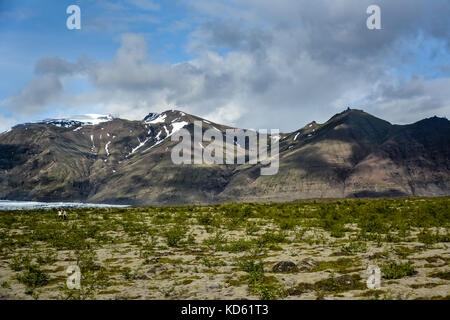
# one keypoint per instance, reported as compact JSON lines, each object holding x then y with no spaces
{"x":231,"y":251}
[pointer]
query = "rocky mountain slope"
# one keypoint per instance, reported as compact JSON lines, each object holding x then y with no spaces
{"x":108,"y":160}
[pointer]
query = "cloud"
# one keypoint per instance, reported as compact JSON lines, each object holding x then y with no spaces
{"x":329,"y":28}
{"x":445,"y":69}
{"x":121,"y":22}
{"x":6,"y":123}
{"x":55,"y":66}
{"x":120,"y":16}
{"x":411,"y":100}
{"x":37,"y":96}
{"x":266,"y":64}
{"x":219,"y":34}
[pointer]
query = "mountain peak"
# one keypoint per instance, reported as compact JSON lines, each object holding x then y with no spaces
{"x":354,"y":115}
{"x":151,"y":116}
{"x":352,"y":111}
{"x":435,"y":119}
{"x":166,"y":116}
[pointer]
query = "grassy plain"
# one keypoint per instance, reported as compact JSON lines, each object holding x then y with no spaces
{"x":229,"y":251}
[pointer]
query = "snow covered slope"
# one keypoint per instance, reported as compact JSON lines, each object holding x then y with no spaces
{"x":86,"y":119}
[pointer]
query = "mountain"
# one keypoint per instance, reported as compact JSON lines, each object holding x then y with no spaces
{"x":103,"y":159}
{"x":355,"y":154}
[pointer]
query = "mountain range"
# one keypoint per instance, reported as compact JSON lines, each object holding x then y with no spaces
{"x":101,"y":159}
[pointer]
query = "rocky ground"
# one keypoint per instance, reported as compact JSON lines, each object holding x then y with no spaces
{"x":306,"y":250}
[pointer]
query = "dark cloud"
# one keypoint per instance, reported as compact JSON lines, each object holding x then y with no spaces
{"x":222,"y":35}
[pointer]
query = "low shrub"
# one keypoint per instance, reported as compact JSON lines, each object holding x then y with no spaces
{"x":394,"y":270}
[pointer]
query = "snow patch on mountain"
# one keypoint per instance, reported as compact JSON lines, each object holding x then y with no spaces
{"x":151,"y":116}
{"x":106,"y":148}
{"x":93,"y":144}
{"x":80,"y":120}
{"x":167,"y":131}
{"x":158,"y":119}
{"x":141,"y":144}
{"x":175,"y":127}
{"x":178,"y":126}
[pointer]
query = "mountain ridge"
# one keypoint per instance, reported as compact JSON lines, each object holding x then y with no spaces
{"x":353,"y":154}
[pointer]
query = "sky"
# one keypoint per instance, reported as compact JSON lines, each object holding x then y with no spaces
{"x":257,"y":64}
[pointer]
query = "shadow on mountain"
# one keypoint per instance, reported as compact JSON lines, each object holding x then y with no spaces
{"x":391,"y":193}
{"x":310,"y":158}
{"x":12,"y":155}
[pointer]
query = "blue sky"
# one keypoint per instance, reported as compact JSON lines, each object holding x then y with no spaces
{"x":32,"y":29}
{"x":248,"y":63}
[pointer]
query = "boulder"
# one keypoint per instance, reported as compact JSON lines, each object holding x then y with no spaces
{"x":307,"y":265}
{"x":285,"y":266}
{"x":345,"y":280}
